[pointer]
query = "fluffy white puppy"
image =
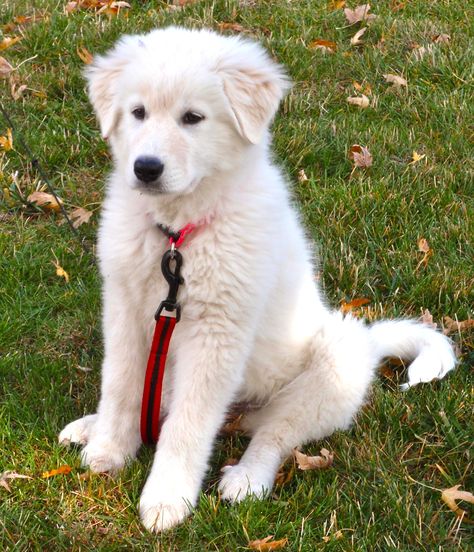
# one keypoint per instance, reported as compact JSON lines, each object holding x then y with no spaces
{"x":186,"y":114}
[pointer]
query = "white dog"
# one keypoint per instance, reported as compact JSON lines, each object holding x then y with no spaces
{"x":186,"y":114}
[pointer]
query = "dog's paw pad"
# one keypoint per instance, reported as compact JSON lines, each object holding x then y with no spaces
{"x":160,"y":517}
{"x":238,"y":483}
{"x":102,"y":457}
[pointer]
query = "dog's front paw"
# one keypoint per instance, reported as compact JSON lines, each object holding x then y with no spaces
{"x":77,"y":432}
{"x":103,"y":456}
{"x":159,"y":516}
{"x":239,"y":482}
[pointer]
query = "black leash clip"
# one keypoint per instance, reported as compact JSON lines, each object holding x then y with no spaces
{"x":174,"y":279}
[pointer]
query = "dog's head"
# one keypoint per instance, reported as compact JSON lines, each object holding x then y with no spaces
{"x":179,"y":106}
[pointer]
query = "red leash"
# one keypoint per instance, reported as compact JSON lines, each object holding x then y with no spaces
{"x":171,"y":267}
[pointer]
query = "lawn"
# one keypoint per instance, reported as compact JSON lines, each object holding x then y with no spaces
{"x":383,"y":490}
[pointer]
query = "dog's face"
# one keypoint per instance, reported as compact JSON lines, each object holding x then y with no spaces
{"x":179,"y":106}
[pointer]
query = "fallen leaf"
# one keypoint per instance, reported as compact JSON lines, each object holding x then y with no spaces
{"x":449,"y":496}
{"x":302,"y":176}
{"x":59,"y":471}
{"x":5,"y":67}
{"x":9,"y":41}
{"x":324,"y":45}
{"x":354,"y":304}
{"x":227,"y":26}
{"x":266,"y":544}
{"x":45,"y":201}
{"x":314,"y":462}
{"x":441,"y":38}
{"x":423,"y":245}
{"x":427,"y":319}
{"x":80,"y":216}
{"x":455,"y":326}
{"x":17,"y":92}
{"x":6,"y":142}
{"x":84,"y":54}
{"x":6,"y":476}
{"x":416,"y":157}
{"x":336,"y":4}
{"x":70,"y":7}
{"x":362,"y":88}
{"x":395,"y":80}
{"x":283,"y":477}
{"x":361,"y":156}
{"x":361,"y":13}
{"x":355,"y":40}
{"x":62,"y":274}
{"x":360,"y":101}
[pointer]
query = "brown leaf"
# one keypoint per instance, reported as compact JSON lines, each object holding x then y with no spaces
{"x":423,"y":245}
{"x":61,"y":272}
{"x":5,"y":67}
{"x":80,"y":216}
{"x":314,"y":462}
{"x":360,"y":156}
{"x":361,"y":13}
{"x":45,"y":201}
{"x":302,"y":176}
{"x":427,"y":319}
{"x":17,"y":92}
{"x":360,"y":101}
{"x":363,"y":88}
{"x":454,"y":326}
{"x":9,"y":41}
{"x":266,"y":544}
{"x":441,"y":38}
{"x":58,"y":471}
{"x":355,"y":40}
{"x":354,"y":304}
{"x":336,"y":4}
{"x":227,"y":26}
{"x":6,"y":142}
{"x":6,"y":476}
{"x":84,"y":54}
{"x":70,"y":7}
{"x":395,"y":80}
{"x":416,"y":157}
{"x":449,"y":496}
{"x":324,"y":45}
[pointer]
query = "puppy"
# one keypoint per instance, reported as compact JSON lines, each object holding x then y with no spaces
{"x":186,"y":114}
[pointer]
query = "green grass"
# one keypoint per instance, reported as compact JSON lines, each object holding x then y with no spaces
{"x":381,"y":492}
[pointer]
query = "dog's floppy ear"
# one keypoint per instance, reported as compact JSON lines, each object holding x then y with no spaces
{"x":254,"y":85}
{"x":102,"y":75}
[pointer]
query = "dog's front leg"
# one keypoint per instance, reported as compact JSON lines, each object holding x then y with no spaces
{"x":115,"y":435}
{"x":209,"y":368}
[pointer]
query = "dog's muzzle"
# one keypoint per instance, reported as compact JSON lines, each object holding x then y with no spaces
{"x":148,"y":169}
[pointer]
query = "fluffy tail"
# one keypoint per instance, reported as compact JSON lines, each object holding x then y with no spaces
{"x":431,"y":352}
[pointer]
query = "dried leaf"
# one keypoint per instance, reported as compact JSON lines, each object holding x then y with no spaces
{"x":395,"y":80}
{"x":9,"y":41}
{"x":45,"y":201}
{"x":361,"y":13}
{"x":441,"y":39}
{"x":6,"y":142}
{"x":362,"y":88}
{"x":423,"y":245}
{"x":314,"y":462}
{"x":354,"y":304}
{"x":59,"y":471}
{"x":5,"y":67}
{"x":267,"y":544}
{"x":324,"y":45}
{"x":360,"y":101}
{"x":62,"y":274}
{"x":427,"y":319}
{"x":455,"y":326}
{"x":416,"y":157}
{"x":70,"y":7}
{"x":355,"y":40}
{"x":80,"y":216}
{"x":449,"y":496}
{"x":6,"y":476}
{"x":336,"y":4}
{"x":84,"y":54}
{"x":227,"y":26}
{"x":302,"y":176}
{"x":360,"y":156}
{"x":17,"y":92}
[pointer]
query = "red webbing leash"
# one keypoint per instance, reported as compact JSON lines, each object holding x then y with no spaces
{"x":165,"y":323}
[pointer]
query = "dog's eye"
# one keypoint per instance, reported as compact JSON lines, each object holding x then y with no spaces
{"x":192,"y":118}
{"x":139,"y":113}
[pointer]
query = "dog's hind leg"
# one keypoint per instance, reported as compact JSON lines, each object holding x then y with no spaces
{"x":323,"y":398}
{"x":78,"y":432}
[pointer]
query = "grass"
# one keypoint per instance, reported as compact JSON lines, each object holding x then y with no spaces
{"x":382,"y":492}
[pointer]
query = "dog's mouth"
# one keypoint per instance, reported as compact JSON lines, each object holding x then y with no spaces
{"x":151,"y":188}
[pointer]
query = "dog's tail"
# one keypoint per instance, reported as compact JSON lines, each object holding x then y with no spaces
{"x":431,"y":352}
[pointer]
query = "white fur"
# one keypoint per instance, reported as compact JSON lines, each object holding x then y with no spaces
{"x":254,"y":325}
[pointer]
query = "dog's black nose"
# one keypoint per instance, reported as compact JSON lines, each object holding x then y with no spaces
{"x":148,"y":169}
